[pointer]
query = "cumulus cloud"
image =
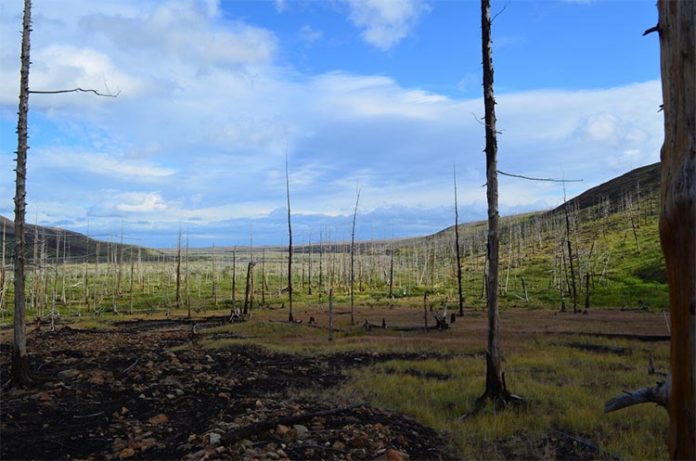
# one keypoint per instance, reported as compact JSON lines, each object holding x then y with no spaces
{"x":384,"y":23}
{"x":198,"y":137}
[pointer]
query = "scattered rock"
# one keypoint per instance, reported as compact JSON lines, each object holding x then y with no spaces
{"x":301,"y":431}
{"x":68,"y":374}
{"x":158,"y":419}
{"x":126,"y":453}
{"x":214,"y":438}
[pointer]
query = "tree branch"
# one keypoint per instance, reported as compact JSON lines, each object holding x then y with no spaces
{"x":538,"y":179}
{"x":651,"y":30}
{"x":77,"y":90}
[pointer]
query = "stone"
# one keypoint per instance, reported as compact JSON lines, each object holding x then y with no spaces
{"x":300,"y":430}
{"x":396,"y":455}
{"x":282,"y":430}
{"x":158,"y":419}
{"x":214,"y":438}
{"x":68,"y":374}
{"x":338,"y":445}
{"x":126,"y":453}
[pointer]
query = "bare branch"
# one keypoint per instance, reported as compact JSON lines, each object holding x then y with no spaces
{"x":77,"y":90}
{"x":651,"y":30}
{"x":499,"y":12}
{"x":528,"y":178}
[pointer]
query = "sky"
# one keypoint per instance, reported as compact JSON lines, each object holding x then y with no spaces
{"x":380,"y":96}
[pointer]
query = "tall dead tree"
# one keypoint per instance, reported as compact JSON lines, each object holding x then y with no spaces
{"x":496,"y":389}
{"x":352,"y":260}
{"x":460,"y":292}
{"x":677,"y":30}
{"x":178,"y":271}
{"x":20,"y":360}
{"x":287,"y":193}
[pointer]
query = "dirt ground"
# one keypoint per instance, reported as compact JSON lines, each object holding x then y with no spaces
{"x":124,"y":394}
{"x":130,"y":392}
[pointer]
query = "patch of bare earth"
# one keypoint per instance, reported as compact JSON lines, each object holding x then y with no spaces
{"x":124,"y":394}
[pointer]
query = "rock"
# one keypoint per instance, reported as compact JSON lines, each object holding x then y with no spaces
{"x":126,"y":453}
{"x":272,"y":455}
{"x":214,"y":438}
{"x":359,"y":441}
{"x":300,"y":430}
{"x":247,"y":443}
{"x":338,"y":445}
{"x":158,"y":419}
{"x":281,"y":430}
{"x":119,"y":444}
{"x":396,"y":455}
{"x":281,"y":453}
{"x":68,"y":374}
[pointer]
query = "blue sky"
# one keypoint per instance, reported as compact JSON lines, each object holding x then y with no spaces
{"x":383,"y":95}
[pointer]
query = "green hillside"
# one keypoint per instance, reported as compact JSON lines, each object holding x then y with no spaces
{"x":614,"y":247}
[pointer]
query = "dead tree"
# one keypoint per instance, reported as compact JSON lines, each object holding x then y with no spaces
{"x":460,"y":292}
{"x":178,"y":271}
{"x":496,"y":390}
{"x":20,"y":360}
{"x":352,"y":260}
{"x":248,"y":292}
{"x":676,"y":27}
{"x":287,"y":193}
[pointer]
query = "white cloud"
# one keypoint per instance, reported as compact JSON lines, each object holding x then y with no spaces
{"x":101,"y":164}
{"x":384,"y":23}
{"x":208,"y":129}
{"x":141,"y":203}
{"x":309,"y":35}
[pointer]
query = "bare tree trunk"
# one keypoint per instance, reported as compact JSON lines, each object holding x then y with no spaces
{"x":309,"y":268}
{"x":287,"y":191}
{"x":3,"y":276}
{"x":234,"y":278}
{"x":178,"y":271}
{"x":352,"y":261}
{"x":573,"y":284}
{"x":249,"y":287}
{"x":130,"y":281}
{"x":391,"y":273}
{"x":495,"y":380}
{"x":186,"y":275}
{"x":677,"y":28}
{"x":330,"y":314}
{"x":460,"y":292}
{"x":20,"y":361}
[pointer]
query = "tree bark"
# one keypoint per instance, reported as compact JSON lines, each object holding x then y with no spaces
{"x":352,"y":261}
{"x":677,"y":29}
{"x":178,"y":271}
{"x":287,"y":191}
{"x":495,"y":384}
{"x":20,"y":361}
{"x":460,"y":292}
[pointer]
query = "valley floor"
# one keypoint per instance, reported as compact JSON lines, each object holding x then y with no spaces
{"x":152,"y":388}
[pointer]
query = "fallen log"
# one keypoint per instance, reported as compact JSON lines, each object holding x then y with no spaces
{"x":658,"y":394}
{"x":247,"y":431}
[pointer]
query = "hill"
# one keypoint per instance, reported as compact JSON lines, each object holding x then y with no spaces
{"x":62,"y":243}
{"x":641,"y":181}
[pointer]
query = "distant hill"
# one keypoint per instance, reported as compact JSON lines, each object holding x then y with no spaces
{"x":642,"y":181}
{"x":56,"y":240}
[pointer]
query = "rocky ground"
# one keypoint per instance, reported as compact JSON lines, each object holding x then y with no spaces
{"x":126,"y":394}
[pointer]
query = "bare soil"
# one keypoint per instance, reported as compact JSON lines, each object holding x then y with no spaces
{"x":124,"y":394}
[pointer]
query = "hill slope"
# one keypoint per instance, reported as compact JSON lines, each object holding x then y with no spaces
{"x":57,"y":241}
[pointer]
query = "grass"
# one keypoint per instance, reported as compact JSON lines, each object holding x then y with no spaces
{"x":564,"y":377}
